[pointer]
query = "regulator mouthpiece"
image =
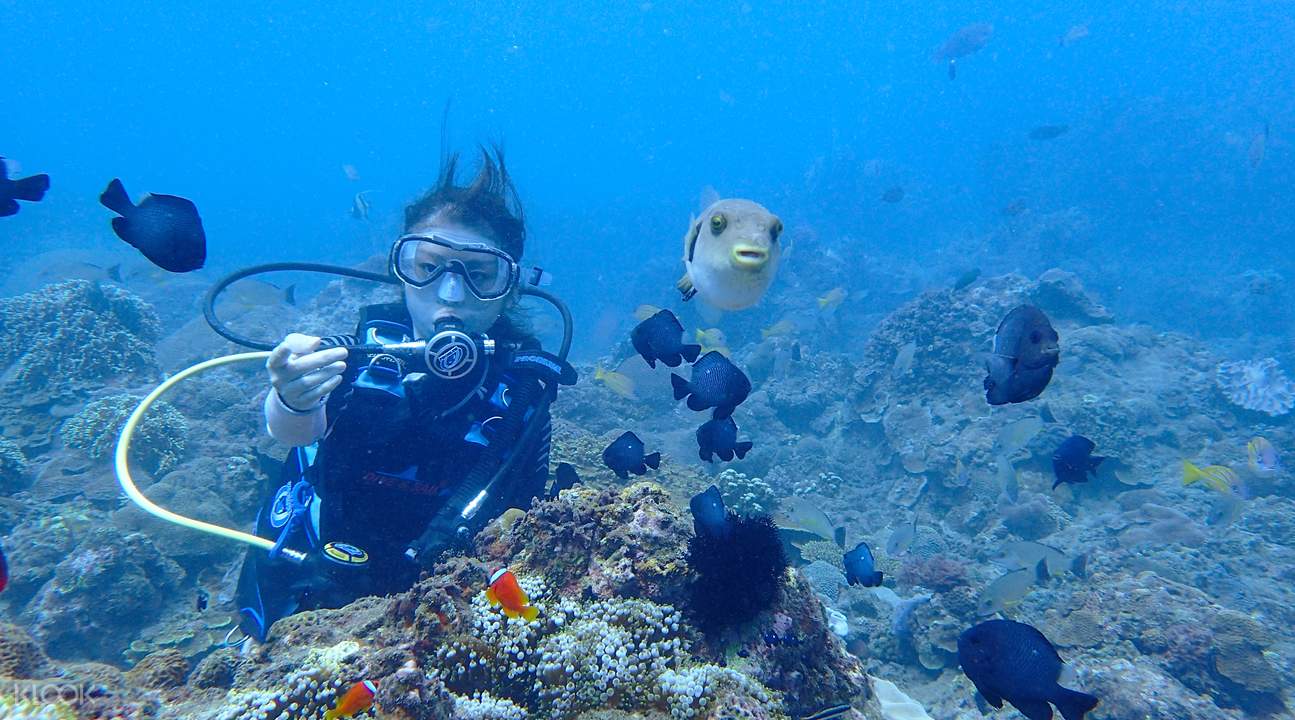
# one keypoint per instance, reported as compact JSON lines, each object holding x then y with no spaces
{"x":452,"y":353}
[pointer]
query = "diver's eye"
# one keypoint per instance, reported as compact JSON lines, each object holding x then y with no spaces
{"x":717,"y":223}
{"x":775,"y":231}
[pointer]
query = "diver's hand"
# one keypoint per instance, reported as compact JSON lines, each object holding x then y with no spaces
{"x":302,"y":376}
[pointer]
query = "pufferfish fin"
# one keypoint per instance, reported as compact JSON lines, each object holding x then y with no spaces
{"x":685,"y":287}
{"x":490,"y":595}
{"x":530,"y":612}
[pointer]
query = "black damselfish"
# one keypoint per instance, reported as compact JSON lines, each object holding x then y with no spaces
{"x":1074,"y":460}
{"x":30,"y":189}
{"x":709,"y":516}
{"x":716,"y":383}
{"x":660,"y":337}
{"x":165,"y":228}
{"x":1025,"y":352}
{"x":860,"y":568}
{"x":625,"y":456}
{"x":565,"y":477}
{"x":719,"y":437}
{"x":1013,"y":661}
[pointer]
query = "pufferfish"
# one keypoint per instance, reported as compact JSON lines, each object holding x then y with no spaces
{"x":730,"y":254}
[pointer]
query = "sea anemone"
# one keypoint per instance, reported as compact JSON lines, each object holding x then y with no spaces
{"x":737,"y":576}
{"x":1256,"y":385}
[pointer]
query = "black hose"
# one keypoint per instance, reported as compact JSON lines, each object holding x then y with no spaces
{"x":209,"y":302}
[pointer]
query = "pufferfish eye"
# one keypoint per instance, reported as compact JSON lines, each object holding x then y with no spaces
{"x":717,"y":223}
{"x":775,"y":230}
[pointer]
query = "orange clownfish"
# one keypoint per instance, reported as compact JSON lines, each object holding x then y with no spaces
{"x":358,"y":699}
{"x":505,"y":591}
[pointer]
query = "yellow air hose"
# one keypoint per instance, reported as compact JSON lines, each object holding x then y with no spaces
{"x":128,"y":484}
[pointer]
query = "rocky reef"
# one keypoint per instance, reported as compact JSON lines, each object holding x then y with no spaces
{"x":1166,"y":601}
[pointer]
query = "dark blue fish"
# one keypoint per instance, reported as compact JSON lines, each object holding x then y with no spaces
{"x":4,"y":570}
{"x":30,"y":189}
{"x":893,"y":195}
{"x":716,"y":383}
{"x":709,"y":516}
{"x":795,"y":352}
{"x":1074,"y":460}
{"x":565,"y":477}
{"x":625,"y":456}
{"x":201,"y":602}
{"x":1025,"y":352}
{"x":860,"y":568}
{"x":719,"y":437}
{"x":1013,"y":661}
{"x":660,"y":337}
{"x":165,"y":228}
{"x":1048,"y":132}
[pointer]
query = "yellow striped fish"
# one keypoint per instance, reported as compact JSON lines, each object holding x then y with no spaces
{"x":1216,"y":477}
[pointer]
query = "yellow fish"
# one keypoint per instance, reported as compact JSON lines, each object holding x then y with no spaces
{"x":1263,"y":457}
{"x":713,"y":339}
{"x":1216,"y":477}
{"x":778,"y":329}
{"x":832,"y":300}
{"x":620,"y":383}
{"x":645,"y":311}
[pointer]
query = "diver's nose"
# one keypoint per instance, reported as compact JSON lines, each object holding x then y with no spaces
{"x":450,"y":289}
{"x":749,"y":257}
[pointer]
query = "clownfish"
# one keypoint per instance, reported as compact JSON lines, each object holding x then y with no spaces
{"x":358,"y":699}
{"x":504,"y":591}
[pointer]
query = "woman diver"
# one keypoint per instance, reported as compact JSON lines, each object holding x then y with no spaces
{"x":394,"y":462}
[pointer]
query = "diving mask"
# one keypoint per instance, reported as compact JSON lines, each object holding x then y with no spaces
{"x":420,"y":260}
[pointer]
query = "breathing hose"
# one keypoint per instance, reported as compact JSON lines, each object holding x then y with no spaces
{"x":128,"y":483}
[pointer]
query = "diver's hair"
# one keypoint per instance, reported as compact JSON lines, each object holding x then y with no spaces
{"x":489,"y":204}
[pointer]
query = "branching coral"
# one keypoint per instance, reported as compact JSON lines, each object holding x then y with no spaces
{"x":159,"y":440}
{"x":1256,"y":385}
{"x":746,"y":495}
{"x":76,"y":333}
{"x":576,"y":657}
{"x":306,"y":692}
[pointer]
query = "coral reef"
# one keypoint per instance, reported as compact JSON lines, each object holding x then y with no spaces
{"x":306,"y":692}
{"x":20,"y":657}
{"x":1258,"y":385}
{"x":74,"y":335}
{"x":101,"y":595}
{"x":745,"y":495}
{"x":13,"y":467}
{"x":159,"y":440}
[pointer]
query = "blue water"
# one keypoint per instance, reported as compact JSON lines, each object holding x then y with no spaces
{"x":615,"y":118}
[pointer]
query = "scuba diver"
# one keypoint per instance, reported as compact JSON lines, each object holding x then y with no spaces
{"x":395,"y":461}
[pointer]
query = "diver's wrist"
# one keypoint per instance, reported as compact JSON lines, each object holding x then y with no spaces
{"x":294,"y":411}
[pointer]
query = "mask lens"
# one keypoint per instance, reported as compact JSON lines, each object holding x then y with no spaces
{"x":420,"y":261}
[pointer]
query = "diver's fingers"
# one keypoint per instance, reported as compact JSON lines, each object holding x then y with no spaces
{"x":297,"y":367}
{"x":294,"y":344}
{"x":309,"y":399}
{"x":313,"y":379}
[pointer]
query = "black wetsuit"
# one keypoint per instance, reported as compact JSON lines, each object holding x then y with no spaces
{"x":394,"y":458}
